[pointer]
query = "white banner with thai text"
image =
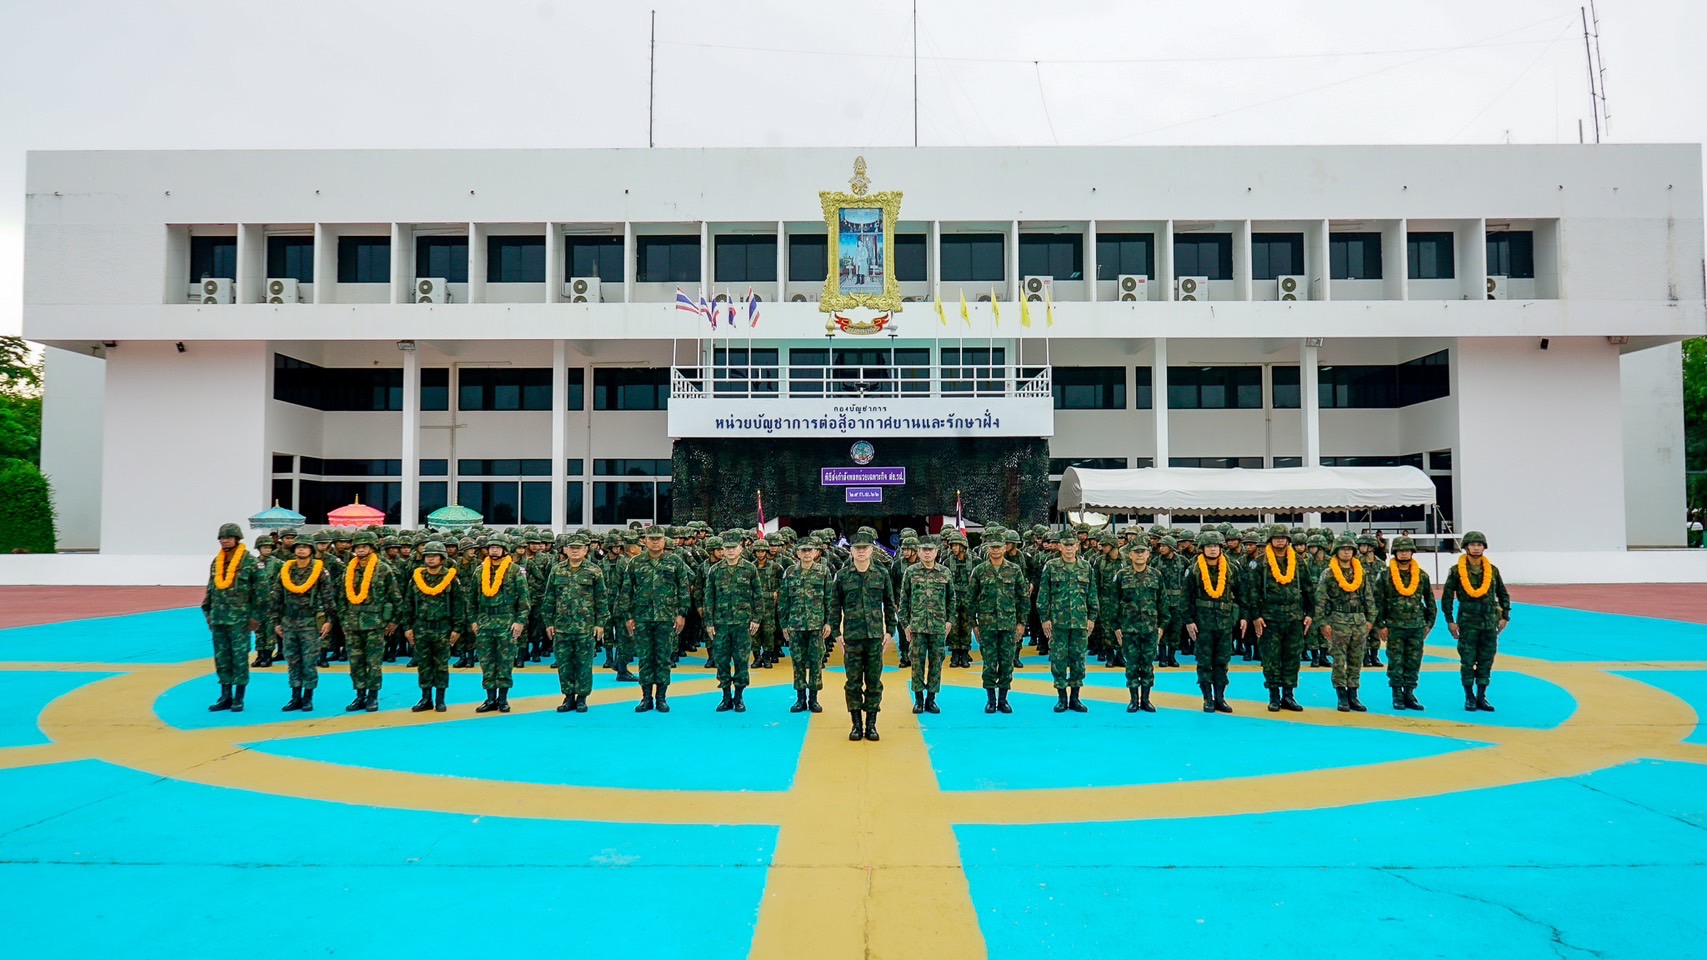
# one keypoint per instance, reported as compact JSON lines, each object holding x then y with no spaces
{"x":857,"y":418}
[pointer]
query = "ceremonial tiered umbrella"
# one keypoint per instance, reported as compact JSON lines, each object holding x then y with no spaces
{"x":276,"y":517}
{"x":454,"y":517}
{"x":355,"y":515}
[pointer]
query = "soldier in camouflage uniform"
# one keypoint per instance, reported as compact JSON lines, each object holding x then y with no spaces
{"x":1213,"y":618}
{"x":575,"y":610}
{"x":1000,"y":601}
{"x":1347,"y":614}
{"x":1405,"y":610}
{"x":908,"y":556}
{"x":1278,"y":597}
{"x":767,"y":643}
{"x":1170,"y":566}
{"x":1315,"y":562}
{"x":804,"y":611}
{"x":960,"y":563}
{"x":499,"y":621}
{"x":1138,"y":609}
{"x":368,"y":617}
{"x":303,"y":610}
{"x":656,"y":595}
{"x":1371,"y":562}
{"x":927,"y":597}
{"x":1067,"y":607}
{"x":332,"y":648}
{"x":268,"y":563}
{"x":1475,"y":587}
{"x":232,"y":606}
{"x":435,"y":613}
{"x":863,"y":612}
{"x":731,"y":619}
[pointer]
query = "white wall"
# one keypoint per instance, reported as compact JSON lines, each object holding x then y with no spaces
{"x":1540,"y":457}
{"x":1654,"y":488}
{"x":73,"y":411}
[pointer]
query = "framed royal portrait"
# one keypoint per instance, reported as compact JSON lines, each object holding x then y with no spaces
{"x":861,"y":250}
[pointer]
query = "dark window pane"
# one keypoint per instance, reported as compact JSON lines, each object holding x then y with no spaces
{"x":1429,"y":256}
{"x":1280,"y":462}
{"x":291,"y":258}
{"x":631,"y":388}
{"x":1215,"y":388}
{"x":336,"y":388}
{"x":1059,"y":465}
{"x":738,"y":371}
{"x":1276,"y":255}
{"x":973,"y":257}
{"x":912,"y":258}
{"x":667,"y":259}
{"x":808,"y":259}
{"x":1354,"y":256}
{"x":282,"y":493}
{"x":213,"y":257}
{"x":1057,"y":255}
{"x":1125,"y":253}
{"x":434,"y":495}
{"x":435,"y":468}
{"x":1440,"y":460}
{"x":593,"y":257}
{"x":498,"y":502}
{"x":1357,"y":387}
{"x":1146,"y":391}
{"x":576,"y":504}
{"x":536,"y":502}
{"x":504,"y":388}
{"x":515,"y":260}
{"x":283,"y":463}
{"x":1204,"y":255}
{"x":435,"y":388}
{"x":577,"y":379}
{"x":348,"y":467}
{"x":1287,"y":395}
{"x":1089,"y":388}
{"x":617,"y":502}
{"x":364,"y":259}
{"x":1512,"y":254}
{"x":742,"y":259}
{"x":445,"y":257}
{"x":1425,"y":378}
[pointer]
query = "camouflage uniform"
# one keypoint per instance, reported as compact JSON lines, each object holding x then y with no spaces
{"x":1171,"y":569}
{"x":574,"y":607}
{"x":731,"y":612}
{"x":1067,"y":602}
{"x":1000,"y":601}
{"x":862,"y":610}
{"x":1348,"y":614}
{"x":365,"y":624}
{"x":267,"y":647}
{"x":804,"y":610}
{"x":655,"y":592}
{"x":960,"y":563}
{"x":430,"y":622}
{"x":1407,"y":621}
{"x":494,"y":620}
{"x":1281,"y":607}
{"x":1478,"y":623}
{"x":230,"y":612}
{"x":927,"y":597}
{"x":299,"y":617}
{"x":1139,"y":610}
{"x":1217,"y":621}
{"x":767,"y":643}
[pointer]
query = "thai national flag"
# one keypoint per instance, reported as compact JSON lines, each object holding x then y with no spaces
{"x":752,"y":308}
{"x":731,"y":315}
{"x":959,"y":518}
{"x":686,"y":304}
{"x":708,"y":310}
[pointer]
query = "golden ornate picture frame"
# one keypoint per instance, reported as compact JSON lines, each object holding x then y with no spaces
{"x":851,"y":254}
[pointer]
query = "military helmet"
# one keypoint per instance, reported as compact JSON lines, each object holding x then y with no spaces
{"x":286,"y":531}
{"x":1404,"y":543}
{"x":1474,"y":536}
{"x":1210,"y":538}
{"x":910,"y":542}
{"x":323,"y":536}
{"x":1168,"y":541}
{"x":653,"y":531}
{"x":1344,"y":543}
{"x":1107,"y":538}
{"x":265,"y":540}
{"x":1277,"y":532}
{"x":1012,"y":537}
{"x":862,"y":537}
{"x":1365,"y":540}
{"x":364,"y":538}
{"x":231,"y":530}
{"x":1186,"y":536}
{"x":1137,"y":546}
{"x":432,"y":547}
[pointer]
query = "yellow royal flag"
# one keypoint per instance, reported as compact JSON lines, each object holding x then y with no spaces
{"x":995,"y":307}
{"x":940,"y":315}
{"x":964,"y":314}
{"x":1024,"y":310}
{"x":1048,"y":308}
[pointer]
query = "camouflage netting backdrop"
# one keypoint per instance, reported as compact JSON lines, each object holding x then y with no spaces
{"x":1003,"y":479}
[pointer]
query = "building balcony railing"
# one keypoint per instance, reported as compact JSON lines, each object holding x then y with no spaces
{"x":922,"y":382}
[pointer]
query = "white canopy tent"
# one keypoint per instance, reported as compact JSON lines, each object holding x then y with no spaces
{"x":1197,"y":490}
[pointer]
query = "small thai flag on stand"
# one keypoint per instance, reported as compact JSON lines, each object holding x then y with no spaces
{"x":761,"y":495}
{"x":959,"y":518}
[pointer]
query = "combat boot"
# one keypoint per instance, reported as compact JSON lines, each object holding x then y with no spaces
{"x":307,"y":701}
{"x":918,"y":701}
{"x":373,"y":701}
{"x":1002,"y":705}
{"x":1208,"y":698}
{"x":858,"y":731}
{"x":1352,"y":701}
{"x":1132,"y":700}
{"x":1074,"y":703}
{"x":740,"y":700}
{"x":580,"y":703}
{"x":1469,"y":699}
{"x":489,"y":704}
{"x":728,"y":701}
{"x":1399,"y":700}
{"x":710,"y":664}
{"x":624,"y":676}
{"x":1375,"y":657}
{"x":1061,"y":701}
{"x":224,"y":701}
{"x":439,"y":700}
{"x":645,"y":704}
{"x":296,"y":701}
{"x":1221,"y":705}
{"x":261,"y":660}
{"x":930,"y":703}
{"x":1411,"y":700}
{"x":503,"y":701}
{"x":1344,"y":707}
{"x":799,"y":702}
{"x":661,"y":699}
{"x":812,"y":702}
{"x":1273,"y":699}
{"x":424,"y":704}
{"x":1482,"y":703}
{"x":359,"y":703}
{"x":989,"y":699}
{"x":1144,"y":703}
{"x":871,"y":726}
{"x":1288,"y":702}
{"x":237,"y":698}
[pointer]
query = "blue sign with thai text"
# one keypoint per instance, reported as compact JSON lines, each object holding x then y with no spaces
{"x":863,"y":476}
{"x":864,"y":494}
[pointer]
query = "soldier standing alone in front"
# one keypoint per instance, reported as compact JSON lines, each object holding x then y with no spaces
{"x":656,"y":595}
{"x":1212,"y":618}
{"x":927,"y":599}
{"x":803,"y":609}
{"x":500,"y":617}
{"x":862,"y":610}
{"x":574,"y":608}
{"x":1067,"y":607}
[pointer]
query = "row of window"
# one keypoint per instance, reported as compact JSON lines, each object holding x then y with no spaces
{"x":966,"y":257}
{"x":499,"y":502}
{"x":478,"y":388}
{"x":284,"y":463}
{"x":1349,"y":387}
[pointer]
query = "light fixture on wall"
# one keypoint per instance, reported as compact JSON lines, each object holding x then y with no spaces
{"x":180,"y":346}
{"x":407,"y":346}
{"x":1313,"y":341}
{"x":1618,"y":341}
{"x":1545,"y":343}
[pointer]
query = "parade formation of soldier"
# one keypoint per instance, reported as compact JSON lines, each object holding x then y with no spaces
{"x":1137,"y":600}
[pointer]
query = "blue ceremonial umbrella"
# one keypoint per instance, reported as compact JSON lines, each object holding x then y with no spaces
{"x":276,"y":517}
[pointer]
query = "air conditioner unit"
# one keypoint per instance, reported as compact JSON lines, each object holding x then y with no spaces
{"x":1133,"y":286}
{"x":283,"y":290}
{"x":912,"y":299}
{"x":983,"y":298}
{"x":1292,"y":288}
{"x":1193,"y":288}
{"x":723,"y":298}
{"x":800,"y":298}
{"x":1496,"y":288}
{"x":1036,"y":289}
{"x":215,"y":290}
{"x":432,"y":290}
{"x":582,"y":290}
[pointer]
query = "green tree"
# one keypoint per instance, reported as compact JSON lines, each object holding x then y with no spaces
{"x":20,"y":402}
{"x":1695,"y":419}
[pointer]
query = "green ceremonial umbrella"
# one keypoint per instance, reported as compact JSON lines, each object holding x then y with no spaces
{"x":454,"y":517}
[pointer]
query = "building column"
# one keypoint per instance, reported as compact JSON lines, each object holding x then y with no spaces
{"x":1159,"y":405}
{"x":1310,"y":408}
{"x":559,"y":433}
{"x":411,"y":437}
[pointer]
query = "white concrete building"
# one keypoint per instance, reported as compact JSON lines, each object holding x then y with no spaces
{"x":1505,"y":317}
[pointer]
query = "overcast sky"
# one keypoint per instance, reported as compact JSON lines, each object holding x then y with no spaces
{"x":182,"y":74}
